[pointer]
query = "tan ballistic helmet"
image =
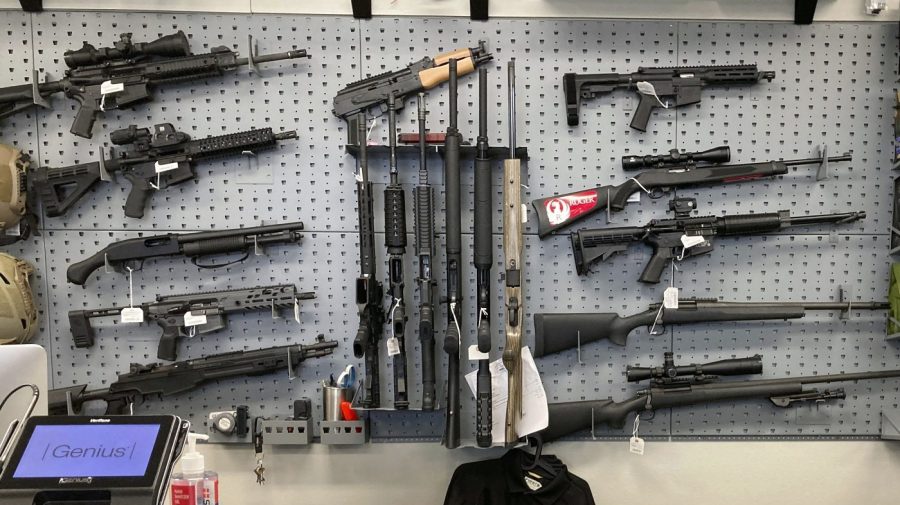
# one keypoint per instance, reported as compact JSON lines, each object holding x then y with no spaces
{"x":18,"y":314}
{"x":13,"y":164}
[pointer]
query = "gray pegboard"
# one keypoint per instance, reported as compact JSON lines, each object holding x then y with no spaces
{"x":833,"y":85}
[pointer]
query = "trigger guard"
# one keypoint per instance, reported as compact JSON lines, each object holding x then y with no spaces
{"x":647,"y":415}
{"x":660,"y":329}
{"x":657,"y":193}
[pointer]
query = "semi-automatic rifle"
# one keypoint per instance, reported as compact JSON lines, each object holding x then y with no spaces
{"x":373,"y":92}
{"x":483,"y":260}
{"x":682,"y":84}
{"x":513,"y":267}
{"x":191,"y":314}
{"x":673,"y":386}
{"x":395,"y":241}
{"x":369,"y":290}
{"x":453,"y":334}
{"x":131,"y":253}
{"x":124,"y":75}
{"x":424,"y":212}
{"x":684,"y":236}
{"x":559,"y":332}
{"x":157,"y":379}
{"x":559,"y":211}
{"x":150,"y":160}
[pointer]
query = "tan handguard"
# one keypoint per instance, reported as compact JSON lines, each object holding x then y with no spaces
{"x":440,"y":73}
{"x":13,"y":167}
{"x":18,"y":313}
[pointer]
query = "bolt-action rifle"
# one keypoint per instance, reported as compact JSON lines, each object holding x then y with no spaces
{"x":679,"y":386}
{"x":558,"y":332}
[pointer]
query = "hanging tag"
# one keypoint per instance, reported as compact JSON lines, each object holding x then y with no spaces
{"x":393,"y":346}
{"x":688,"y":241}
{"x":165,"y":167}
{"x":108,"y":88}
{"x":645,"y":88}
{"x":634,"y":198}
{"x":194,"y":320}
{"x":296,"y":311}
{"x":533,"y":484}
{"x":636,"y":443}
{"x":670,"y":298}
{"x":636,"y":446}
{"x":132,"y":315}
{"x":476,"y":355}
{"x":524,"y":213}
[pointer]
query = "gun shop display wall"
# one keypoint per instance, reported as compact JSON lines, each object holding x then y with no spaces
{"x":560,"y":233}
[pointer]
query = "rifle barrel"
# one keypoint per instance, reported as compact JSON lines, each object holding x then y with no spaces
{"x":814,"y":161}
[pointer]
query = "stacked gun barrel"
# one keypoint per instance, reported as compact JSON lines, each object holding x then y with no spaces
{"x":161,"y":157}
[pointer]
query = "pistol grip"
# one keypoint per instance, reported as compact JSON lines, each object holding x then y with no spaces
{"x":84,"y":119}
{"x":658,"y":261}
{"x":138,"y":196}
{"x":168,"y":343}
{"x":642,"y":114}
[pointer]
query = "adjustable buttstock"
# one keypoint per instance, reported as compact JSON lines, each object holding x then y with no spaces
{"x":641,"y":115}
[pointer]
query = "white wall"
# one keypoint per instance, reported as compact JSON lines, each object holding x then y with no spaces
{"x":770,"y":10}
{"x":673,"y":473}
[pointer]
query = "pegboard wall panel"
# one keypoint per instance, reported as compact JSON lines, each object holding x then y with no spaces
{"x":833,"y":85}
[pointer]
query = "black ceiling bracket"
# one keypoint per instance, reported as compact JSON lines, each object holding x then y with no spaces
{"x":478,"y":10}
{"x":32,"y":5}
{"x":362,"y":9}
{"x":804,"y":10}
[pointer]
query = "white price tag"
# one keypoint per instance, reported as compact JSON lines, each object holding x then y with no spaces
{"x":132,"y":315}
{"x":524,"y":213}
{"x":476,"y":355}
{"x":393,"y":346}
{"x":108,"y":88}
{"x":634,"y":198}
{"x":670,"y":298}
{"x":645,"y":88}
{"x":636,"y":446}
{"x":194,"y":319}
{"x":165,"y":167}
{"x":688,"y":241}
{"x":296,"y":311}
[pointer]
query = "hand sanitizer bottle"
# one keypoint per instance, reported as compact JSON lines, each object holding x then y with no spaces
{"x":194,"y":485}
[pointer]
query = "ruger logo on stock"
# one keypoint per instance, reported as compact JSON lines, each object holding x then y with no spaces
{"x":563,"y":208}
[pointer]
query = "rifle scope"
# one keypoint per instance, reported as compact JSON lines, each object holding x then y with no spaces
{"x":170,"y":45}
{"x":721,"y":154}
{"x":667,"y":372}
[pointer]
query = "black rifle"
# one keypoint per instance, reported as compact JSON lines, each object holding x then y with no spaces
{"x":150,"y":160}
{"x":134,"y":251}
{"x":721,"y":154}
{"x":369,"y":291}
{"x":666,"y":392}
{"x":684,"y":236}
{"x":424,"y":202}
{"x":209,"y":308}
{"x":560,"y":211}
{"x":558,"y":332}
{"x":483,"y":259}
{"x":683,"y":84}
{"x":373,"y":92}
{"x":157,"y":379}
{"x":122,"y":76}
{"x":395,"y":241}
{"x":452,"y":337}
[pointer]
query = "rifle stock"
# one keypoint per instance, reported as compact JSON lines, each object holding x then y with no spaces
{"x":555,"y":333}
